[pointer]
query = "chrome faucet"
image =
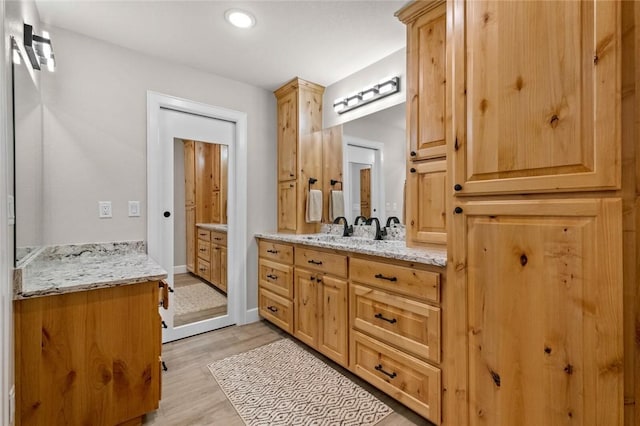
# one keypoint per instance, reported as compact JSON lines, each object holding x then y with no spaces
{"x":379,"y":232}
{"x":348,"y":230}
{"x":364,"y":219}
{"x":390,"y":219}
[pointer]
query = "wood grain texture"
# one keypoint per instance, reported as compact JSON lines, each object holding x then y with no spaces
{"x":561,"y":266}
{"x":278,"y":252}
{"x":288,"y":136}
{"x":204,"y":170}
{"x":321,"y":261}
{"x":88,"y":357}
{"x":310,"y":146}
{"x":189,"y":174}
{"x":426,"y":203}
{"x":306,"y":315}
{"x":333,"y":331}
{"x":190,"y":222}
{"x":287,"y":207}
{"x":276,"y":277}
{"x":276,"y":309}
{"x":365,"y":192}
{"x":331,"y":165}
{"x":542,"y":105}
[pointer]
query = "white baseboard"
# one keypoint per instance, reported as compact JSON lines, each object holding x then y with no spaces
{"x":251,"y":316}
{"x":181,"y":269}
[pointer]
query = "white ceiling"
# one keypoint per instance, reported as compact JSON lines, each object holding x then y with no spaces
{"x":321,"y":41}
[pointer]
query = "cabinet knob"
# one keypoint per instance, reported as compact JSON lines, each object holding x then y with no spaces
{"x":457,"y":210}
{"x":457,"y":187}
{"x":167,"y":214}
{"x":412,"y":170}
{"x":413,"y":153}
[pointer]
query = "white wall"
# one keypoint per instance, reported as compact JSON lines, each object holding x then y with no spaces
{"x":95,"y":140}
{"x":394,"y":156}
{"x":390,"y":66}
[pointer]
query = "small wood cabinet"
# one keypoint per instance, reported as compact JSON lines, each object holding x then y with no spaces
{"x":212,"y":257}
{"x":89,"y":357}
{"x":426,"y":122}
{"x":275,"y":283}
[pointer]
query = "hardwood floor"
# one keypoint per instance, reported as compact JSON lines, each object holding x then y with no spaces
{"x":191,"y":396}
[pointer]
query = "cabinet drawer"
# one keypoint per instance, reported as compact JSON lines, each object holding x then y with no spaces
{"x":276,"y":309}
{"x":335,"y":264}
{"x":411,"y":282}
{"x":204,"y":250}
{"x":204,"y":269}
{"x":409,"y":325}
{"x":203,"y":234}
{"x":282,"y":253}
{"x":276,"y":277}
{"x":407,"y":379}
{"x":219,"y":238}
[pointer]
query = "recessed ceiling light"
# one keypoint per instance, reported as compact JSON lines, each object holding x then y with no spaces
{"x":240,"y":18}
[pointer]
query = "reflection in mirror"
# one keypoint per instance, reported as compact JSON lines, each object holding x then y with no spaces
{"x":200,"y":231}
{"x":375,"y":164}
{"x":28,"y":151}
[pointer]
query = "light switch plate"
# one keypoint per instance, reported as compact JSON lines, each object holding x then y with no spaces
{"x":104,"y":209}
{"x":134,"y":208}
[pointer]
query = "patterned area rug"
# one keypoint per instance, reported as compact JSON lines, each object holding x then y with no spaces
{"x":197,"y":301}
{"x":283,"y":384}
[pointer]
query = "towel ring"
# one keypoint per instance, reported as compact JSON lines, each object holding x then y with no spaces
{"x":333,"y":182}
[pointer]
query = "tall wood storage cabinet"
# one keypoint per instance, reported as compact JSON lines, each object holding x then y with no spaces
{"x":426,"y":125}
{"x":299,"y":152}
{"x":534,"y":309}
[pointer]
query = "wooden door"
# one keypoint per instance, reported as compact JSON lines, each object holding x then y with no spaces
{"x":331,"y":165}
{"x":215,"y":166}
{"x":215,"y":264}
{"x":287,"y":210}
{"x":203,"y":182}
{"x":542,"y":106}
{"x":305,"y":312}
{"x":189,"y":174}
{"x":365,"y":192}
{"x":216,"y":210}
{"x":426,"y":203}
{"x":426,"y":83}
{"x":543,"y":289}
{"x":332,"y":335}
{"x":224,"y":182}
{"x":288,"y":136}
{"x":190,"y":219}
{"x":223,"y":269}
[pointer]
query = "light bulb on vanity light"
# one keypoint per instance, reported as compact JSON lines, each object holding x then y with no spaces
{"x":240,"y":18}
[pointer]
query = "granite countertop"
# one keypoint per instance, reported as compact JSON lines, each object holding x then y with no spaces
{"x":220,"y":227}
{"x":72,"y":268}
{"x":435,"y":256}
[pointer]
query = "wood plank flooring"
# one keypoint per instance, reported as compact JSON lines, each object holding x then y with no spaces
{"x":191,"y":396}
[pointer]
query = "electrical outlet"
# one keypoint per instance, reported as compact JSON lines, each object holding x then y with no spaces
{"x":104,"y":209}
{"x":134,"y":208}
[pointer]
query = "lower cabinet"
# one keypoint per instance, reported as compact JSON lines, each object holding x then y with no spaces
{"x":212,"y":257}
{"x":89,"y":357}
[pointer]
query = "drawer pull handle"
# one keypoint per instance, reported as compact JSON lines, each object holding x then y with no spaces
{"x":272,"y":308}
{"x":382,"y":277}
{"x":273,"y":277}
{"x":392,"y":320}
{"x":272,"y":251}
{"x":380,"y":369}
{"x":164,"y":325}
{"x":217,"y":238}
{"x":203,"y":249}
{"x":315,"y":262}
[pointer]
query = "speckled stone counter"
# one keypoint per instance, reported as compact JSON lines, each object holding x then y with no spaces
{"x":72,"y":268}
{"x":390,"y":249}
{"x":220,"y":227}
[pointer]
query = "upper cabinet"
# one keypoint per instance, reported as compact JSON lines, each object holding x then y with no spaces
{"x":536,"y":96}
{"x":426,"y":79}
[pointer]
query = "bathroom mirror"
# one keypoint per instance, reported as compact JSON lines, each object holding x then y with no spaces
{"x":28,"y":170}
{"x":374,"y":163}
{"x":200,"y":231}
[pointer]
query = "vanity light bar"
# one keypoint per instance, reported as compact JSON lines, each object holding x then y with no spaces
{"x":367,"y":95}
{"x":39,"y":49}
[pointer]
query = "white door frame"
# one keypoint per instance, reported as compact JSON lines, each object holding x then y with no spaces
{"x":377,"y":198}
{"x":160,"y":169}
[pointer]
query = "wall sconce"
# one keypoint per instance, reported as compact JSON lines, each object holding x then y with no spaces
{"x":39,"y":49}
{"x":367,"y":95}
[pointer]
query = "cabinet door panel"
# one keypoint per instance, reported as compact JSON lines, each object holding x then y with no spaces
{"x":542,"y":106}
{"x":190,"y":219}
{"x":544,"y":297}
{"x":305,"y":323}
{"x":426,"y":203}
{"x":215,"y":265}
{"x":426,"y":85}
{"x":332,"y":337}
{"x":189,"y":174}
{"x":287,"y":136}
{"x":287,"y":206}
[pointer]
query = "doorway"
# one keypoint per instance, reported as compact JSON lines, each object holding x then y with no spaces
{"x":171,"y":122}
{"x":364,"y":191}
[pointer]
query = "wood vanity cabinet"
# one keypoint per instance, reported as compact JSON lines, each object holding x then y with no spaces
{"x":299,"y":106}
{"x":212,"y":257}
{"x":320,"y":302}
{"x":89,"y":357}
{"x":275,"y":283}
{"x":426,"y":122}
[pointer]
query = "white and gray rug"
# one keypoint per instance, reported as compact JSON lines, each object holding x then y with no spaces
{"x":283,"y":384}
